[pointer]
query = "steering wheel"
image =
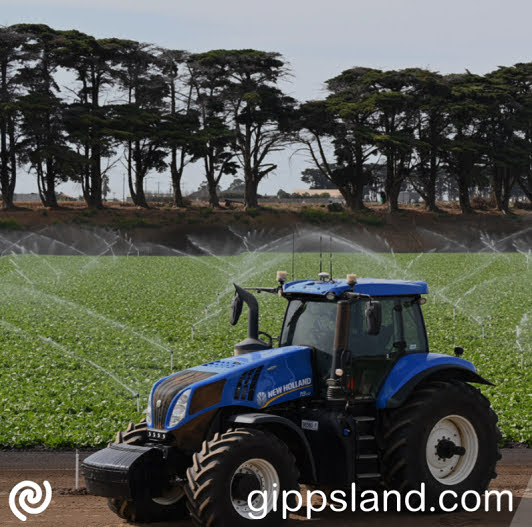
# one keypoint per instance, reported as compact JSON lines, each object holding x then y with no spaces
{"x":317,"y":328}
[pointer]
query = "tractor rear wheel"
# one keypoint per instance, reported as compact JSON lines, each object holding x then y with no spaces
{"x":232,"y":465}
{"x":170,"y":506}
{"x":445,"y":436}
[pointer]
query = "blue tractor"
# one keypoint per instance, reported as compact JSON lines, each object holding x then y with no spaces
{"x":351,"y":395}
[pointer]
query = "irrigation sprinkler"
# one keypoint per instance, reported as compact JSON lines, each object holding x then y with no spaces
{"x":172,"y":360}
{"x":76,"y":485}
{"x":138,"y":402}
{"x":522,"y":353}
{"x":517,"y":337}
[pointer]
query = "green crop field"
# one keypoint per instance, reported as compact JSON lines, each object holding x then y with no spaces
{"x":81,"y":336}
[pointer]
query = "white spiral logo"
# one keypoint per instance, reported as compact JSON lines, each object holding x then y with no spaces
{"x":31,"y":495}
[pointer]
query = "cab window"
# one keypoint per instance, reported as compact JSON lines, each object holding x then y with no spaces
{"x":363,"y":345}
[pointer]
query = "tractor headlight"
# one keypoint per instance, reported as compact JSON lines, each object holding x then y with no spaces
{"x":180,"y":409}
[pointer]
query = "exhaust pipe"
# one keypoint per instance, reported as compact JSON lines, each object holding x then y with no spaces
{"x":252,"y":342}
{"x":253,"y":311}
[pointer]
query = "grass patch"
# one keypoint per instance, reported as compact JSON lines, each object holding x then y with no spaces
{"x":315,"y":216}
{"x":80,"y":220}
{"x":206,"y":212}
{"x":253,"y":212}
{"x":374,"y":221}
{"x":125,"y":222}
{"x":10,"y":223}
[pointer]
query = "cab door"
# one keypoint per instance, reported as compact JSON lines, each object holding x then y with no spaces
{"x":373,"y":356}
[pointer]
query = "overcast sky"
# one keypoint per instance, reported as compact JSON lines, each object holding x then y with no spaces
{"x":318,"y":39}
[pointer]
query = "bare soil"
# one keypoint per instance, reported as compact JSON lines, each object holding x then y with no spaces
{"x":71,"y":508}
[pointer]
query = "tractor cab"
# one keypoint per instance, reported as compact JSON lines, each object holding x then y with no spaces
{"x":357,"y":329}
{"x":368,"y":356}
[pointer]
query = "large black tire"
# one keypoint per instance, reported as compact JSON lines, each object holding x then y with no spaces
{"x":144,"y":510}
{"x":214,"y":489}
{"x":412,"y":443}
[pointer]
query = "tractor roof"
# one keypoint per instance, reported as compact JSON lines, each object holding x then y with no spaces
{"x":366,"y":286}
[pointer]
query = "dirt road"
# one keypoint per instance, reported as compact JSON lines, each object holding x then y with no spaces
{"x":70,"y":510}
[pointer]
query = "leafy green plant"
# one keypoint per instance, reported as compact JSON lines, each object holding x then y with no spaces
{"x":102,"y":328}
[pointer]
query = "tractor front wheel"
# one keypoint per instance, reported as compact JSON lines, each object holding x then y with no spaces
{"x":444,"y":436}
{"x":170,"y":506}
{"x":231,"y":466}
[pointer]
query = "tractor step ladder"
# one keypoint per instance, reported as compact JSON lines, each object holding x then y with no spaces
{"x":367,"y":468}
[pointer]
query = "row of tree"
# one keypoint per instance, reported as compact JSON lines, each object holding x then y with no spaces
{"x":420,"y":125}
{"x":72,"y":106}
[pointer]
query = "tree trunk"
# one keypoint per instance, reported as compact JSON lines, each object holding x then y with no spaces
{"x":95,"y":171}
{"x":13,"y":156}
{"x":356,"y":202}
{"x":526,"y":188}
{"x":250,"y":193}
{"x":353,"y":191}
{"x":502,"y":185}
{"x":6,"y":186}
{"x":463,"y":194}
{"x":496,"y":186}
{"x":50,"y":199}
{"x":139,"y":198}
{"x":392,"y":186}
{"x":393,"y":198}
{"x":353,"y":199}
{"x":95,"y":181}
{"x":47,"y":187}
{"x":430,"y":198}
{"x":392,"y":189}
{"x":130,"y":171}
{"x":176,"y":175}
{"x":7,"y":197}
{"x":213,"y":195}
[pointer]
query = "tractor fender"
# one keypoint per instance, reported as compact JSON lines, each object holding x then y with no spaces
{"x":286,"y":431}
{"x":411,"y":370}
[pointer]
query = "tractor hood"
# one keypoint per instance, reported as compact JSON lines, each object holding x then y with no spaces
{"x":256,"y":380}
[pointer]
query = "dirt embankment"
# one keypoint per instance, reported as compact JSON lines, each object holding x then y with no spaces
{"x":409,"y":230}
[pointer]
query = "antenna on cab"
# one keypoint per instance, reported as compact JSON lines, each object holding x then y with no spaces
{"x":293,"y":254}
{"x":321,"y":258}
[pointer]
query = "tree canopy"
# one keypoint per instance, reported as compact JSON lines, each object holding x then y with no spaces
{"x":149,"y":109}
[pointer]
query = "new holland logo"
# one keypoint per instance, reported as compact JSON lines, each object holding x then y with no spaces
{"x":290,"y":387}
{"x":261,"y":398}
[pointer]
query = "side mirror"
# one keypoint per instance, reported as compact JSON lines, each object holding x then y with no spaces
{"x":373,"y":317}
{"x":236,"y":309}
